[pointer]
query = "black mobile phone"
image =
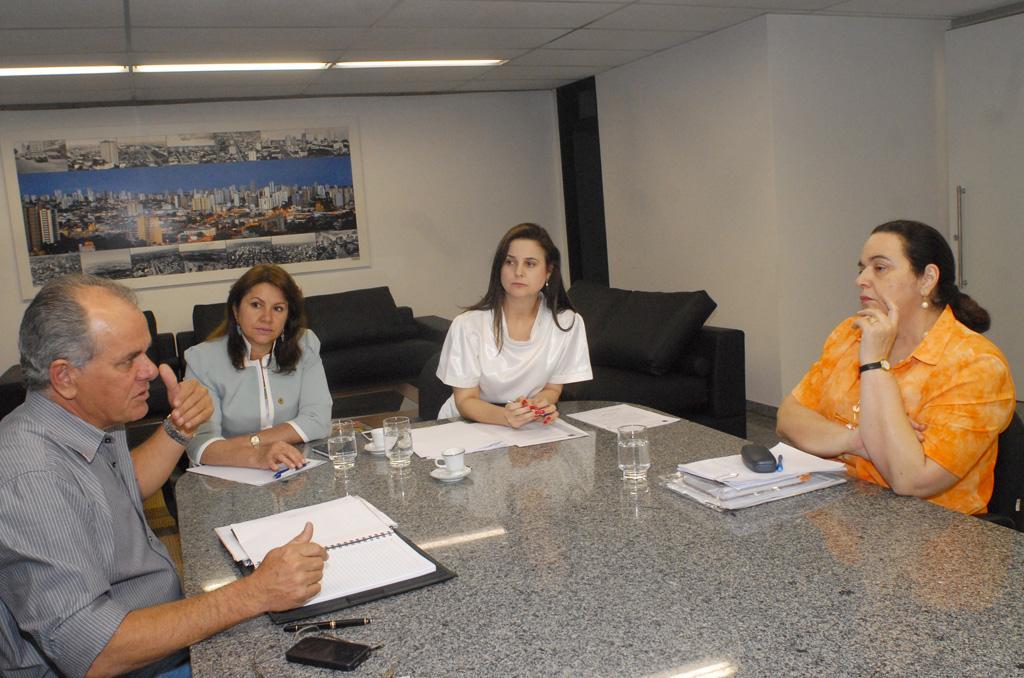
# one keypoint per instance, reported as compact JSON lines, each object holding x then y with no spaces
{"x":758,"y":458}
{"x":328,"y":653}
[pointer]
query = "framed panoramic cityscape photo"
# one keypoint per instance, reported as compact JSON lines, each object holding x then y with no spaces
{"x":152,"y":207}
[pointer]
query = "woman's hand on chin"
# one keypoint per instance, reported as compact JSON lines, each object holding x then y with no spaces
{"x":877,"y":331}
{"x":277,"y":454}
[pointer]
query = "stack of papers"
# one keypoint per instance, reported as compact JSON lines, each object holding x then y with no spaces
{"x":431,"y":441}
{"x":725,"y":483}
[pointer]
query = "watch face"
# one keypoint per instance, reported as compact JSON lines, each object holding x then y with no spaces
{"x":885,"y":365}
{"x":254,"y":441}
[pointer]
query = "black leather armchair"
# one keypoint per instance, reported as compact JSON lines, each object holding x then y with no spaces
{"x":1008,"y":492}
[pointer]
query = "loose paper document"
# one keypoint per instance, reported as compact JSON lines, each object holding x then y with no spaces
{"x":251,"y":476}
{"x":430,"y":441}
{"x":612,"y":417}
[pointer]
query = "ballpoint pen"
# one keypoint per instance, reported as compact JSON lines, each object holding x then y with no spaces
{"x":778,"y":466}
{"x":286,"y":470}
{"x":326,"y":625}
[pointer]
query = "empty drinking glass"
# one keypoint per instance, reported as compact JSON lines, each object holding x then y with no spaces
{"x":634,"y":455}
{"x":341,"y":446}
{"x":398,"y":441}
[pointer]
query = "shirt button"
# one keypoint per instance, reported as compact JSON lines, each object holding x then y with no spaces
{"x":108,"y":440}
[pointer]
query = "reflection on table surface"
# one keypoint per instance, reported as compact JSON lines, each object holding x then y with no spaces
{"x":565,"y":569}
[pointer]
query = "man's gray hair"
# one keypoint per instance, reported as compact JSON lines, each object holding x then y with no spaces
{"x":56,"y":326}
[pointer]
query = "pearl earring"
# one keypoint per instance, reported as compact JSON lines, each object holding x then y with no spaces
{"x":925,"y":304}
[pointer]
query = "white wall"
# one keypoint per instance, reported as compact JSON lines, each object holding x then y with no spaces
{"x":859,"y":139}
{"x":753,"y":163}
{"x":686,"y":153}
{"x":444,"y":177}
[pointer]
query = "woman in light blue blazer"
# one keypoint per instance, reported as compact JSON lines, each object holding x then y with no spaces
{"x":262,"y":368}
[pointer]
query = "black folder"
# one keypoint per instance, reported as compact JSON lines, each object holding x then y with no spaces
{"x":439,"y":575}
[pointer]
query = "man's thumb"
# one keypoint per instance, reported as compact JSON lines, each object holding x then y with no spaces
{"x":170,"y":380}
{"x":305,"y":536}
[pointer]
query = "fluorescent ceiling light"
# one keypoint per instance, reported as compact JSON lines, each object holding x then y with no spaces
{"x":419,"y":64}
{"x":206,"y":68}
{"x":62,"y":70}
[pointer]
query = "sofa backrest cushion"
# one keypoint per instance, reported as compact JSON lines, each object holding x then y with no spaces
{"x":643,"y":331}
{"x":206,"y":318}
{"x":357,"y":317}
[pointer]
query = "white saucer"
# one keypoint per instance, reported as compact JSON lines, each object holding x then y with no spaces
{"x":445,"y":477}
{"x":373,"y":449}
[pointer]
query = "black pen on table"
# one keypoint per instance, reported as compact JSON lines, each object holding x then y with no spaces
{"x":325,"y":625}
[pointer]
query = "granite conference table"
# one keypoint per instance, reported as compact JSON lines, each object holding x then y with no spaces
{"x":565,"y":570}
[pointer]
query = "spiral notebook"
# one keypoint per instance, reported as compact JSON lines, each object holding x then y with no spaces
{"x":369,"y":559}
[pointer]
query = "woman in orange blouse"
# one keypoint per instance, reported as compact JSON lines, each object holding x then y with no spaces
{"x":907,"y":392}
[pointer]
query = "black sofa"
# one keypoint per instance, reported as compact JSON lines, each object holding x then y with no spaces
{"x":648,"y":348}
{"x":365,"y":338}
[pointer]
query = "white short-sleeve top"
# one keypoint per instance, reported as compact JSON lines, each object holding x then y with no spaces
{"x":470,"y":357}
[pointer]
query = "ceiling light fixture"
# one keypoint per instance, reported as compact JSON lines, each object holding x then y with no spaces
{"x":425,"y":63}
{"x":209,"y":68}
{"x":62,"y":70}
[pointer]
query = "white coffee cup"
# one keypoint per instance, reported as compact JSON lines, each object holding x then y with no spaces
{"x":376,"y":436}
{"x":453,"y":459}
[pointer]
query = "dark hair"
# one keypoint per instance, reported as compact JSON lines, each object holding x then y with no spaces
{"x":555,"y":297}
{"x":286,"y":349}
{"x":923,"y":245}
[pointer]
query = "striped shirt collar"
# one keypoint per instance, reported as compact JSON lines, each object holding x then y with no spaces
{"x":65,"y":428}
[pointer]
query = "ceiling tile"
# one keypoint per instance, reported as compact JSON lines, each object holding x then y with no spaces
{"x":62,"y":14}
{"x":219,"y":92}
{"x":494,"y":14}
{"x":676,"y":17}
{"x":252,"y":44}
{"x":765,"y":5}
{"x":65,"y":59}
{"x":579,"y":57}
{"x":365,"y":88}
{"x":571,"y":73}
{"x":401,"y":53}
{"x":608,"y":39}
{"x":401,"y":74}
{"x":61,"y":41}
{"x":939,"y":9}
{"x":456,"y":38}
{"x":66,"y":83}
{"x":500,"y":85}
{"x":256,"y":13}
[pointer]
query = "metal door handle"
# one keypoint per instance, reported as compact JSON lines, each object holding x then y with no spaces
{"x":959,"y":237}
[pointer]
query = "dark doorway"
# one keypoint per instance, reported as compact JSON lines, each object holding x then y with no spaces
{"x":581,"y":181}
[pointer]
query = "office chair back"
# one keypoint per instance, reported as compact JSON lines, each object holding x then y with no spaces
{"x":1008,"y":492}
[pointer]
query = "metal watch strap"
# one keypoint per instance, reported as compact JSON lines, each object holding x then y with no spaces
{"x":175,"y":434}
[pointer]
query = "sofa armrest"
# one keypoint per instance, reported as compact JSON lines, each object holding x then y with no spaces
{"x":724,"y":348}
{"x":433,"y":327}
{"x":185,"y":340}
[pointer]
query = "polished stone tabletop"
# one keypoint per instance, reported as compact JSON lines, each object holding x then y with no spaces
{"x":565,"y":570}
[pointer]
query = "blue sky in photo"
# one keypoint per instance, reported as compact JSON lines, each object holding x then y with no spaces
{"x":331,"y":170}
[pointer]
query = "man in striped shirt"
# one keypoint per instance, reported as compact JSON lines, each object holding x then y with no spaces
{"x":85,"y":586}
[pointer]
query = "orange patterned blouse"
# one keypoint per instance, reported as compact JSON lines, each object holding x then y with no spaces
{"x":956,"y":381}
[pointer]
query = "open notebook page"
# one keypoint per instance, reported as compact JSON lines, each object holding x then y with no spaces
{"x":334,"y":522}
{"x":368,"y":565}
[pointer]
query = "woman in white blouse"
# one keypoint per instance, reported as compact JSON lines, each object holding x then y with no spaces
{"x":507,"y":357}
{"x":262,"y":368}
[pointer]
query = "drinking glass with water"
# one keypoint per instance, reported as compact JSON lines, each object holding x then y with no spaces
{"x":398,"y":441}
{"x":341,"y":446}
{"x":634,"y":452}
